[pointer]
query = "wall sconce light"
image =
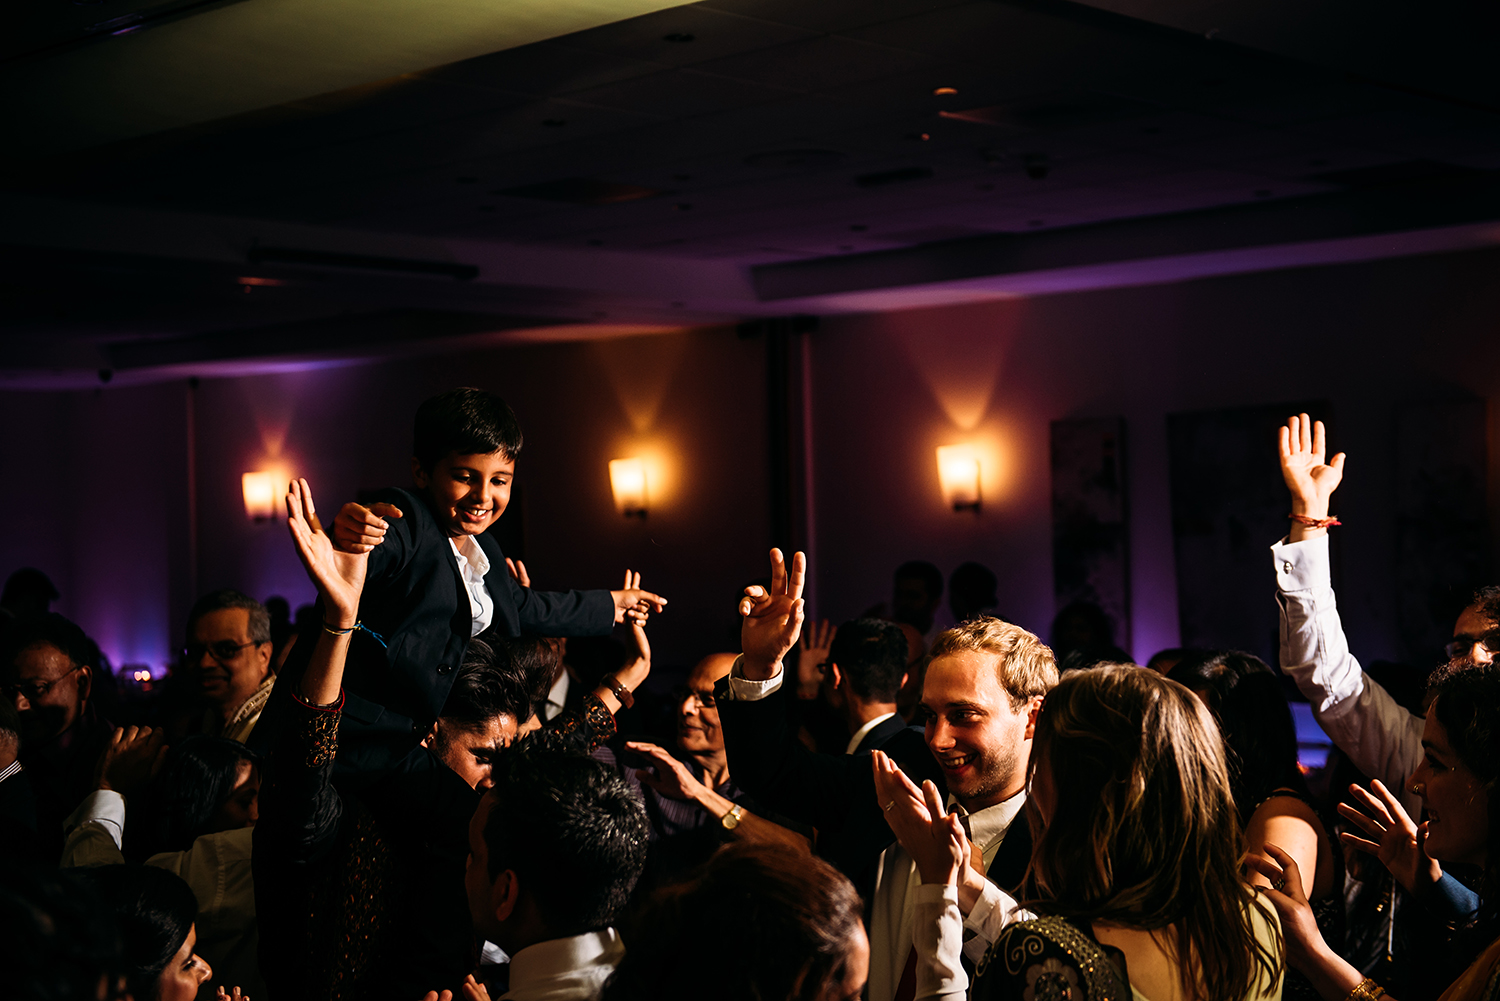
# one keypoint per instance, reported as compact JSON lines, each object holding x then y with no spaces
{"x":262,"y":491}
{"x":627,"y":478}
{"x":958,"y":472}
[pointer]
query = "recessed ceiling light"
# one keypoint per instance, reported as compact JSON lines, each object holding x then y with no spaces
{"x":944,"y":91}
{"x":677,"y":36}
{"x":924,"y":136}
{"x":554,"y":123}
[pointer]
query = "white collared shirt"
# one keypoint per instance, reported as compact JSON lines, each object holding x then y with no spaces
{"x":557,"y":696}
{"x":472,"y":566}
{"x":565,"y":969}
{"x":864,"y":731}
{"x":10,"y":769}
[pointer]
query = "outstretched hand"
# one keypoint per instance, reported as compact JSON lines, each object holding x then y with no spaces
{"x":359,"y":529}
{"x":1310,"y":478}
{"x":812,"y":653}
{"x":771,"y":620}
{"x":933,"y":837}
{"x":634,"y":603}
{"x":339,"y":575}
{"x":671,"y":778}
{"x":132,"y":757}
{"x":1393,"y":837}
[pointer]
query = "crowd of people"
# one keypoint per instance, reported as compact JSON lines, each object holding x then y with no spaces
{"x":445,"y":783}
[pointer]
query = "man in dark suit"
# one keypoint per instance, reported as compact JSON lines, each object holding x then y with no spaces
{"x":436,"y":580}
{"x":17,"y":802}
{"x":983,"y":689}
{"x":865,"y":669}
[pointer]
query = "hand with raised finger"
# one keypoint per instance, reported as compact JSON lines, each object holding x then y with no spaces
{"x":1391,"y":836}
{"x":771,"y":620}
{"x":473,"y":990}
{"x":518,"y":571}
{"x":632,"y":597}
{"x":338,"y":575}
{"x":359,"y":529}
{"x":671,"y":778}
{"x":133,"y":755}
{"x":233,"y":994}
{"x":1310,"y":479}
{"x":812,"y":653}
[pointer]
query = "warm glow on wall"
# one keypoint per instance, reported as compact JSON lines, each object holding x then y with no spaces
{"x":627,"y":478}
{"x":263,"y":493}
{"x":958,"y":473}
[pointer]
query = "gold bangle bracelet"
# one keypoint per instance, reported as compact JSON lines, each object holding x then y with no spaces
{"x":1366,"y":990}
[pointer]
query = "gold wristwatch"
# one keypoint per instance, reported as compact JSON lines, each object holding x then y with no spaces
{"x":731,"y":820}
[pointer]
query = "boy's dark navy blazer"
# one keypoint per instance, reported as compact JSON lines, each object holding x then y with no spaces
{"x":414,"y":597}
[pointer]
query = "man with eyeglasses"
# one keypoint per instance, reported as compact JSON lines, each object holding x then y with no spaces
{"x":1380,"y":737}
{"x":228,"y":660}
{"x":692,"y":803}
{"x":47,"y":674}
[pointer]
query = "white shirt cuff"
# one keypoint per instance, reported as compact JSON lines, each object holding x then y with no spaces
{"x":742,"y":689}
{"x":1302,"y":566}
{"x":936,"y":893}
{"x":992,"y":912}
{"x":104,"y":807}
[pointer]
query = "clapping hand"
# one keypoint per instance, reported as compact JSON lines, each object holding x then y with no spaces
{"x":772,"y":620}
{"x":339,"y":575}
{"x":1398,"y":841}
{"x":133,"y":755}
{"x":933,"y":837}
{"x":812,"y":653}
{"x":1311,"y":480}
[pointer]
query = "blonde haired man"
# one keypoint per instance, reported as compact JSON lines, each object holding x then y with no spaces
{"x":983,"y":689}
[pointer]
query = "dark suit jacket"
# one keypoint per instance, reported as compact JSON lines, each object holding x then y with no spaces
{"x":414,"y":598}
{"x":836,"y":793}
{"x":879,"y":734}
{"x":17,"y":817}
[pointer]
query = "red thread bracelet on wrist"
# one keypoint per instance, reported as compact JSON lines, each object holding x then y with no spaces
{"x":1303,"y":519}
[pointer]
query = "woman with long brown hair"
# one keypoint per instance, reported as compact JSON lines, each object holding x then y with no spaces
{"x":1134,"y":876}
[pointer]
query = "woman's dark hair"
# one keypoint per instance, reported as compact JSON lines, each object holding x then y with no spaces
{"x":154,"y":910}
{"x":1466,"y":700}
{"x":1143,"y":828}
{"x":59,"y":943}
{"x":1249,"y":704}
{"x":488,"y":685}
{"x":464,"y":421}
{"x":194,"y":783}
{"x":790,"y":916}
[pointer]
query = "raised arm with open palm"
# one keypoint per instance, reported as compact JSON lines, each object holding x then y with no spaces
{"x":340,"y":578}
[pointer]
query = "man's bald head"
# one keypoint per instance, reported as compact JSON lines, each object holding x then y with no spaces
{"x":709,"y":670}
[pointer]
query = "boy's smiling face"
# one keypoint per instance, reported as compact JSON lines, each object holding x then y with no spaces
{"x":467,"y":492}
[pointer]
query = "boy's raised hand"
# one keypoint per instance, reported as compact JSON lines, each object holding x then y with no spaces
{"x":772,"y":620}
{"x":633,"y":599}
{"x":339,"y":576}
{"x":359,"y":529}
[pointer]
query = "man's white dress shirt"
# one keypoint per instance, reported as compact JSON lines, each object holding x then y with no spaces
{"x":863,"y":731}
{"x":1381,"y":737}
{"x":557,"y":695}
{"x":565,"y":969}
{"x":896,"y":881}
{"x":472,"y":566}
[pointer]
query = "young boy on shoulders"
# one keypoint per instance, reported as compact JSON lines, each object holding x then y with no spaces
{"x":436,"y":580}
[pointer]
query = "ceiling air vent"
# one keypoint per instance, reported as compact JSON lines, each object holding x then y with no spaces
{"x":581,"y":191}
